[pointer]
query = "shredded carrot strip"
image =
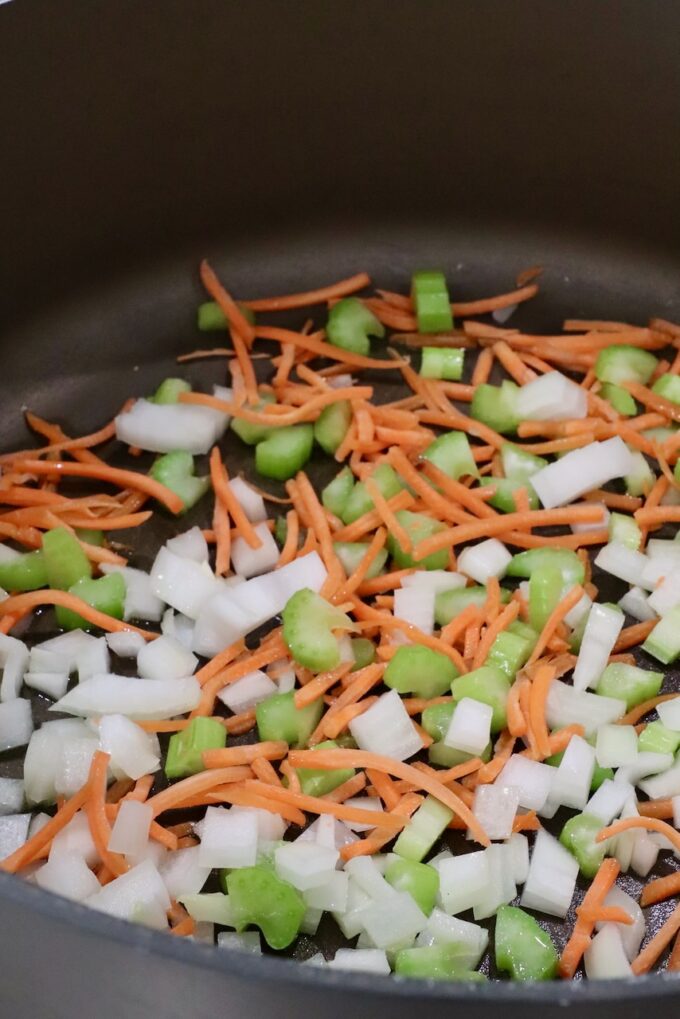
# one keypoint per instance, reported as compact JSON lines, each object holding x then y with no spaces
{"x":230,"y":757}
{"x":223,"y":492}
{"x":648,"y":823}
{"x":662,"y":887}
{"x":562,"y":609}
{"x":343,"y":288}
{"x":318,"y":686}
{"x":537,"y":701}
{"x":317,"y":805}
{"x":195,"y":785}
{"x":638,"y":712}
{"x":289,"y":550}
{"x":654,"y":948}
{"x":330,"y":759}
{"x":381,"y":835}
{"x":630,"y":636}
{"x":112,"y":475}
{"x":315,"y":345}
{"x":22,"y":603}
{"x":583,"y":928}
{"x":95,"y":808}
{"x":31,"y":849}
{"x":506,"y":617}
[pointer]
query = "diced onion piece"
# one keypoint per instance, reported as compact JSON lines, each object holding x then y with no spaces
{"x":70,"y":646}
{"x":393,"y":922}
{"x":165,"y":658}
{"x":631,"y":934}
{"x":462,"y":881}
{"x":136,"y":698}
{"x":552,"y":397}
{"x":581,"y":470}
{"x":130,"y":830}
{"x":305,"y":864}
{"x":44,"y":752}
{"x":566,"y":706}
{"x":470,"y":727}
{"x":501,"y":888}
{"x":182,"y":583}
{"x":594,"y":525}
{"x":489,"y":558}
{"x":387,"y":729}
{"x":622,"y":562}
{"x":16,"y":723}
{"x":636,"y":604}
{"x":73,"y":765}
{"x":139,"y":894}
{"x":125,"y":643}
{"x":270,"y":827}
{"x":551,"y":880}
{"x":605,"y":957}
{"x":601,"y":633}
{"x":13,"y":833}
{"x":162,"y":428}
{"x":646,"y":763}
{"x":52,"y":684}
{"x":14,"y":662}
{"x":247,"y":941}
{"x":245,"y":693}
{"x":572,"y":778}
{"x":251,"y":501}
{"x":133,"y":751}
{"x":228,"y":839}
{"x":669,"y":713}
{"x":331,"y":895}
{"x":183,"y":873}
{"x":518,"y":858}
{"x":531,"y":779}
{"x":141,"y":602}
{"x":415,"y":605}
{"x":361,"y":960}
{"x":11,"y":796}
{"x":608,"y":801}
{"x":662,"y":785}
{"x":67,"y":874}
{"x":249,"y":562}
{"x":667,"y":594}
{"x":190,"y":545}
{"x":495,"y":808}
{"x":442,"y":929}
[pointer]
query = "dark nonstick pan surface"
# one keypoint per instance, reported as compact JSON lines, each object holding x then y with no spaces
{"x":478,"y":138}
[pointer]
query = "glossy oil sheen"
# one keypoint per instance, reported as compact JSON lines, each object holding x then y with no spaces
{"x":295,"y":143}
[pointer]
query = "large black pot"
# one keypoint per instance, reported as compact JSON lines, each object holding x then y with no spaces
{"x":295,"y":143}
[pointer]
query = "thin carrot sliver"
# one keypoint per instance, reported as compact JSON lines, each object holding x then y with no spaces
{"x":537,"y":700}
{"x":561,"y":610}
{"x":26,"y":853}
{"x":654,"y":948}
{"x":22,"y":603}
{"x":317,"y":805}
{"x":647,"y":823}
{"x":580,"y":937}
{"x":509,"y":613}
{"x":330,"y":759}
{"x":224,"y":493}
{"x":95,"y":809}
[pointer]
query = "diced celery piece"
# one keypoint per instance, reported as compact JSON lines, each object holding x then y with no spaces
{"x":436,"y":719}
{"x":249,"y":431}
{"x":522,"y":948}
{"x":284,"y":452}
{"x":578,"y":836}
{"x":425,"y":827}
{"x":185,"y":748}
{"x":668,"y":386}
{"x":363,"y":650}
{"x":545,"y":590}
{"x":418,"y":526}
{"x":336,"y":493}
{"x":629,"y":683}
{"x":107,"y":594}
{"x":308,"y":624}
{"x":451,"y":453}
{"x":510,"y":651}
{"x":211,"y":318}
{"x":279,"y":719}
{"x":504,"y":496}
{"x":519,"y":464}
{"x":359,"y":501}
{"x":436,"y":962}
{"x":497,"y":406}
{"x":624,"y":530}
{"x":175,"y":470}
{"x":524,"y":563}
{"x":350,"y":324}
{"x":27,"y":572}
{"x":418,"y":879}
{"x":257,"y":896}
{"x":641,"y":478}
{"x":169,"y":390}
{"x":442,"y":363}
{"x":420,"y":670}
{"x":624,"y":363}
{"x":449,"y":604}
{"x":431,"y":301}
{"x":315,"y":782}
{"x":619,"y":398}
{"x":664,"y":640}
{"x":655,"y":738}
{"x":488,"y":684}
{"x":350,"y":554}
{"x":331,"y":426}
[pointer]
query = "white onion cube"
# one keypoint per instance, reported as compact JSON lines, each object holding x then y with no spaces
{"x":387,"y":729}
{"x":487,"y":559}
{"x":531,"y":779}
{"x":249,"y":562}
{"x":616,"y":745}
{"x":228,"y":840}
{"x":470,"y":726}
{"x":16,"y":723}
